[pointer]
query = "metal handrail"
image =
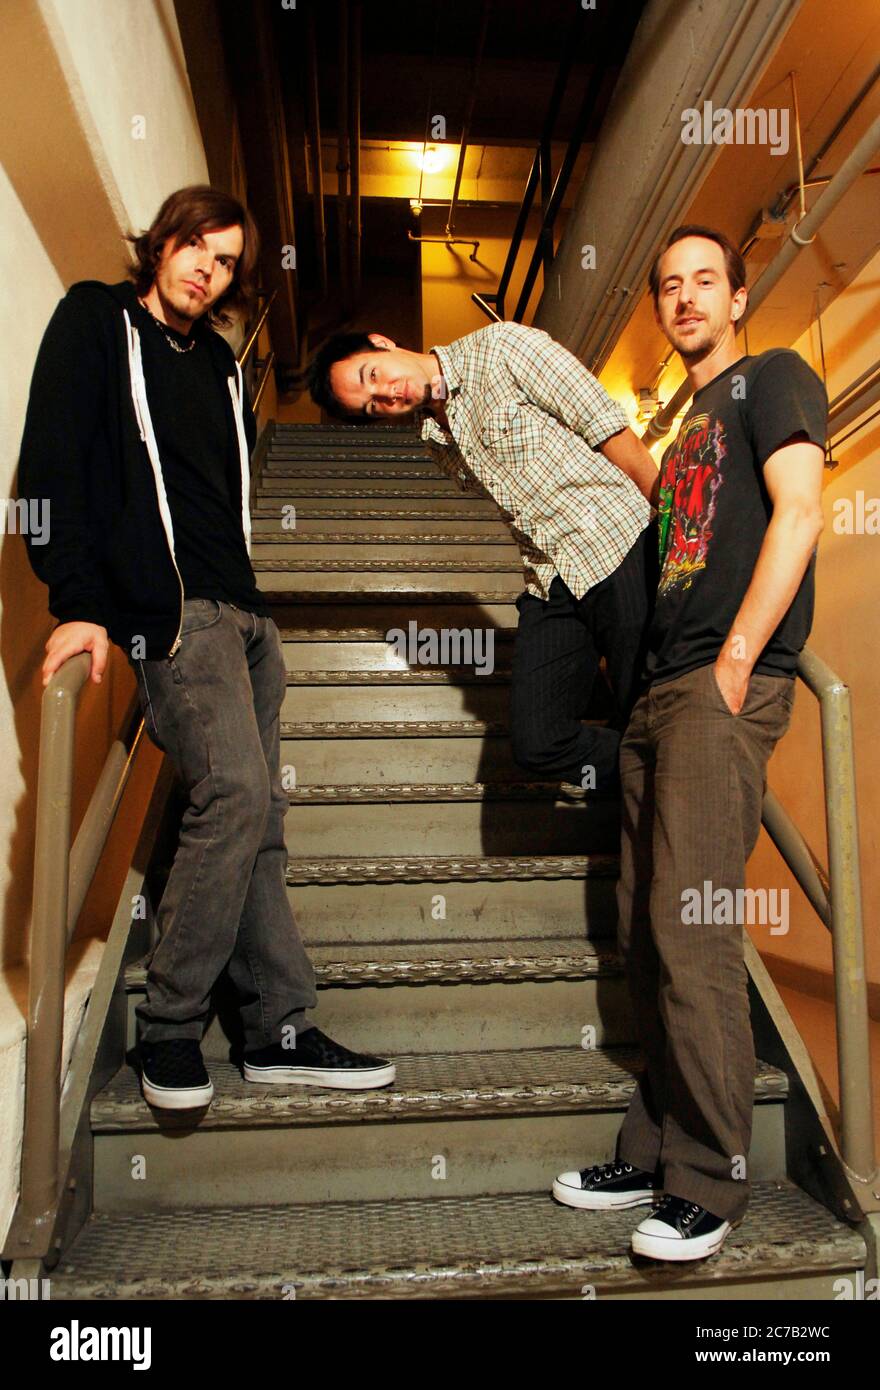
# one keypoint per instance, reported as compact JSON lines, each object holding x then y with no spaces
{"x":62,"y":878}
{"x":264,"y":377}
{"x":836,"y":896}
{"x":249,"y":346}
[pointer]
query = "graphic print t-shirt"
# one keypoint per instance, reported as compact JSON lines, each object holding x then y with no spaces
{"x":714,"y":510}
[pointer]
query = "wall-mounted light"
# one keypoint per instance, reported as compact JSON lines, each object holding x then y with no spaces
{"x":415,"y":207}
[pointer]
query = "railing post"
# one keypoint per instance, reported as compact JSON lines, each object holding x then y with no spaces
{"x":39,"y":1159}
{"x":847,"y":936}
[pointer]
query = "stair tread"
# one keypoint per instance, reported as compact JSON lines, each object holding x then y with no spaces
{"x":423,"y":962}
{"x":401,"y":566}
{"x":442,"y":868}
{"x":425,"y":597}
{"x":383,"y":793}
{"x":405,"y":676}
{"x":553,"y":1080}
{"x":307,"y":538}
{"x":393,"y":728}
{"x":417,"y":1247}
{"x":379,"y":635}
{"x":476,"y":509}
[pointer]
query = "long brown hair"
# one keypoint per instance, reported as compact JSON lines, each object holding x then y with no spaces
{"x":188,"y":212}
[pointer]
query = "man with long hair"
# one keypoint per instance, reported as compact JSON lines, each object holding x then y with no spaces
{"x":139,"y":433}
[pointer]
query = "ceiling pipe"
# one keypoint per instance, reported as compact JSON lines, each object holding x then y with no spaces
{"x":450,"y":239}
{"x":314,"y":125}
{"x":541,"y":164}
{"x":354,"y":114}
{"x":342,"y":158}
{"x":799,"y":237}
{"x":466,"y":127}
{"x":858,"y":397}
{"x":783,"y":200}
{"x":642,"y":177}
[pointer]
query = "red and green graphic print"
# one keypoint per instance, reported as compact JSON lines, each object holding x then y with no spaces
{"x":688,"y":497}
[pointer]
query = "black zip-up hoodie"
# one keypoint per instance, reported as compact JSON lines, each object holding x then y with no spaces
{"x":89,"y":450}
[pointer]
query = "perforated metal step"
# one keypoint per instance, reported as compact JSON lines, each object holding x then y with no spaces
{"x":550,"y":1080}
{"x":521,"y":1244}
{"x":450,"y":962}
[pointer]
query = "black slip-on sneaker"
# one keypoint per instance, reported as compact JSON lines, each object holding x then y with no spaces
{"x":680,"y":1230}
{"x":607,"y":1187}
{"x":317,"y":1061}
{"x":173,"y":1075}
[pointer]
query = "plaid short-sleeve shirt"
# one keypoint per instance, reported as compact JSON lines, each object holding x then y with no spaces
{"x":526,"y":420}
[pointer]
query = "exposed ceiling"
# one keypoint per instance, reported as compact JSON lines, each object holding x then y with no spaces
{"x":832,"y":61}
{"x":418,"y":54}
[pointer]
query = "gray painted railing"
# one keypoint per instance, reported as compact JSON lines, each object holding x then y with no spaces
{"x":836,"y":896}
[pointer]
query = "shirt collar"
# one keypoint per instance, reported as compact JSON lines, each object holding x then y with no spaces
{"x":453,"y":383}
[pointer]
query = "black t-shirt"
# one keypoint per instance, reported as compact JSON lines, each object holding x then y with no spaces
{"x":192,"y":415}
{"x":714,"y":511}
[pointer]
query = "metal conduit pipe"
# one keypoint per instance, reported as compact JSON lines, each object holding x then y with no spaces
{"x":449,"y":239}
{"x":342,"y":159}
{"x":859,"y":397}
{"x":314,"y":123}
{"x":354,"y":119}
{"x":798,"y":238}
{"x":466,"y":127}
{"x":642,"y":177}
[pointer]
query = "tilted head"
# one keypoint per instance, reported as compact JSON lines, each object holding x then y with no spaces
{"x":200,"y":254}
{"x":360,"y":377}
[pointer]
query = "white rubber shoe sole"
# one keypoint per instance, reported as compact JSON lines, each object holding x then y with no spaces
{"x":168,"y":1098}
{"x":659,"y":1242}
{"x":336,"y":1078}
{"x":567,"y":1188}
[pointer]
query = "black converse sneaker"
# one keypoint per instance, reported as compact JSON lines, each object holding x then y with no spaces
{"x":173,"y":1075}
{"x":317,"y":1061}
{"x":680,"y":1230}
{"x":607,"y":1186}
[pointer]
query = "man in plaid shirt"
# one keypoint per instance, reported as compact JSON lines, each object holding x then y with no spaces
{"x":508,"y":410}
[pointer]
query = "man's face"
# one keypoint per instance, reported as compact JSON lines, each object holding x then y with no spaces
{"x":391,"y":382}
{"x":194,"y":276}
{"x":695,"y":306}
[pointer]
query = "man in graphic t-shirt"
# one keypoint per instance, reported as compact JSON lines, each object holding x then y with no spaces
{"x":739,"y":518}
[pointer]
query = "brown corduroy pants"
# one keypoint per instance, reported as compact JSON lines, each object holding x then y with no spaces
{"x":693,"y":778}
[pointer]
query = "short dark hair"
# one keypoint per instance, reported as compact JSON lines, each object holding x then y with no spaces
{"x":190,"y":211}
{"x":338,"y":348}
{"x":733,"y":261}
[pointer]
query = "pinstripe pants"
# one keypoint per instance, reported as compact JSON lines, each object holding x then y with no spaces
{"x":693,"y":778}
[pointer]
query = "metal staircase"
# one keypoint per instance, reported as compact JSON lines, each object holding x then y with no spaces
{"x":461,"y":919}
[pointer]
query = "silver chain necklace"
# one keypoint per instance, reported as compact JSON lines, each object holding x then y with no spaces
{"x":167,"y":336}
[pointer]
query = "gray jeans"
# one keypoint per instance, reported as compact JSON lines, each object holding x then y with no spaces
{"x":214,"y":708}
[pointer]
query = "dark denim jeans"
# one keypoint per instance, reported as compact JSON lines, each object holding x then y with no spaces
{"x":214,"y":708}
{"x":559,"y":641}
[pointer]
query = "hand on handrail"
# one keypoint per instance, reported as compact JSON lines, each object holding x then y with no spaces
{"x":70,"y":638}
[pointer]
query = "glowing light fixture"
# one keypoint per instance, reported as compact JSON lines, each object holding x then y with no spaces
{"x":432,"y":160}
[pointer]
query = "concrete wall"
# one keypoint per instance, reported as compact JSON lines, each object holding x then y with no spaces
{"x":450,"y":277}
{"x":846,"y":634}
{"x":73,"y":76}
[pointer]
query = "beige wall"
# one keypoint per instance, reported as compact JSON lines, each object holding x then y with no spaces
{"x":846,"y":634}
{"x":450,"y":277}
{"x":73,"y":73}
